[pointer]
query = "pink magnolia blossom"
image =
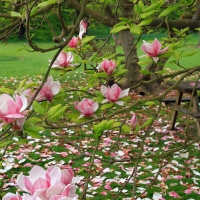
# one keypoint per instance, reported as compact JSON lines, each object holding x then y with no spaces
{"x":48,"y":184}
{"x":107,"y":66}
{"x":73,"y":42}
{"x":133,"y":121}
{"x":13,"y":110}
{"x":87,"y":107}
{"x":113,"y":94}
{"x":49,"y":89}
{"x":63,"y":60}
{"x":11,"y":196}
{"x":154,"y":49}
{"x":83,"y":28}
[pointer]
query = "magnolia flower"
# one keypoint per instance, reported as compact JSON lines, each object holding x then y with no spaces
{"x":133,"y":121}
{"x":63,"y":60}
{"x":107,"y":66}
{"x":73,"y":42}
{"x":113,"y":94}
{"x":11,"y":196}
{"x":13,"y":110}
{"x":49,"y":89}
{"x":87,"y":107}
{"x":83,"y":28}
{"x":153,"y":50}
{"x":48,"y":184}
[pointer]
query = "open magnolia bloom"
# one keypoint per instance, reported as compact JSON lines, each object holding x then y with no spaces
{"x":13,"y":110}
{"x":87,"y":107}
{"x":49,"y":89}
{"x":154,"y":49}
{"x":63,"y":60}
{"x":48,"y":184}
{"x":83,"y":28}
{"x":107,"y":66}
{"x":113,"y":94}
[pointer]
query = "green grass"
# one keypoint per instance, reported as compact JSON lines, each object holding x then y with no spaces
{"x":16,"y":61}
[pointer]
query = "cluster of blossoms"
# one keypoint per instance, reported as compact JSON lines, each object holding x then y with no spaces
{"x":13,"y":109}
{"x":87,"y":107}
{"x":64,"y":59}
{"x":50,"y":184}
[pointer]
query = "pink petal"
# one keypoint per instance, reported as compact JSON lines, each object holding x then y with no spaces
{"x":103,"y":89}
{"x":55,"y":88}
{"x":156,"y":46}
{"x":40,"y":183}
{"x":21,"y":182}
{"x":37,"y":172}
{"x":55,"y":189}
{"x":124,"y":93}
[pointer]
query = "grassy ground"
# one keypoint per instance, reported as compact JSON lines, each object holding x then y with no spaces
{"x":16,"y":61}
{"x":74,"y":146}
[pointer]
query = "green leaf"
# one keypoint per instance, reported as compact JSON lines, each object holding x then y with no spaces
{"x":126,"y":128}
{"x":176,"y":55}
{"x":83,"y":119}
{"x":38,"y":108}
{"x":161,"y":72}
{"x":101,"y":74}
{"x":147,"y":14}
{"x":4,"y":144}
{"x":153,"y":6}
{"x":87,"y":39}
{"x":100,"y":128}
{"x":145,"y":72}
{"x":118,"y":29}
{"x":22,"y":83}
{"x":168,"y":10}
{"x":119,"y":24}
{"x":141,"y":4}
{"x":136,"y":30}
{"x":145,"y":22}
{"x":167,"y":54}
{"x":125,"y":20}
{"x":187,"y":54}
{"x":32,"y":121}
{"x":147,"y":123}
{"x":7,"y":90}
{"x":15,"y":14}
{"x":145,"y":62}
{"x":149,"y":103}
{"x":99,"y":99}
{"x":120,"y":72}
{"x":59,"y":112}
{"x":72,"y":115}
{"x":53,"y":110}
{"x":125,"y":99}
{"x":137,"y":9}
{"x":106,"y":106}
{"x":117,"y":124}
{"x":109,"y":124}
{"x":33,"y":131}
{"x":31,"y":85}
{"x":23,"y":141}
{"x":93,"y":56}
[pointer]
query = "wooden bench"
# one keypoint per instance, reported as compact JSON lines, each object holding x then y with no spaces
{"x":185,"y":87}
